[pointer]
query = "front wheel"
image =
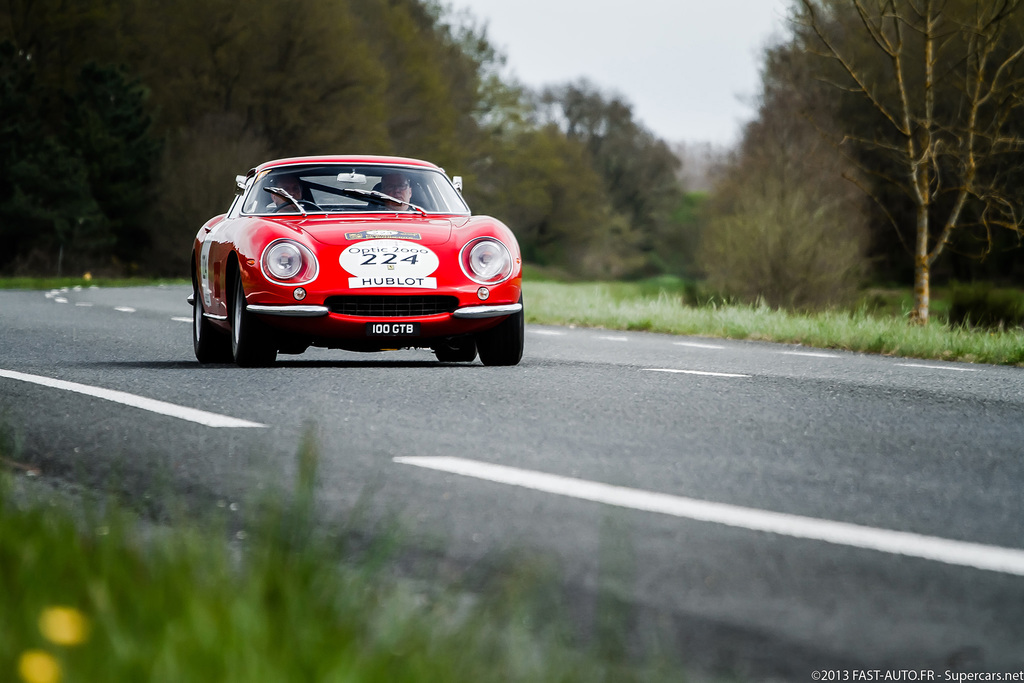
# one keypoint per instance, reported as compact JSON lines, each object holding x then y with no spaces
{"x":251,"y":343}
{"x":210,"y":344}
{"x":503,"y":345}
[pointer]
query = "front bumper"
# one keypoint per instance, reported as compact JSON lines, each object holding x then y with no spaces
{"x":469,"y":312}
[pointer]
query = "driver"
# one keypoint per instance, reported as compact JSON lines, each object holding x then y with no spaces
{"x":288,"y":183}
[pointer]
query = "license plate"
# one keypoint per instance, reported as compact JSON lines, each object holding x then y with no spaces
{"x":392,"y":329}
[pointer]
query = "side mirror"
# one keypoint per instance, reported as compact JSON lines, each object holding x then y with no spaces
{"x":457,"y":182}
{"x":239,"y":184}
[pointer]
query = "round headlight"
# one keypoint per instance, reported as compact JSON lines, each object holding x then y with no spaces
{"x":287,"y":260}
{"x":284,"y":261}
{"x":487,"y":261}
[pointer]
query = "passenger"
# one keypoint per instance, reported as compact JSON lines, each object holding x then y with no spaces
{"x":397,"y":185}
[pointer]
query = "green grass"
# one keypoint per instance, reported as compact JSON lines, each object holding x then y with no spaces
{"x":653,"y":308}
{"x":61,"y":282}
{"x":104,"y":596}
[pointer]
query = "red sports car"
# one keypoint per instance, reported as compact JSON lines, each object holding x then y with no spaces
{"x":360,"y":253}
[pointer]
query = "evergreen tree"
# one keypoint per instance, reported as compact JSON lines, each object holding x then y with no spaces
{"x":108,"y":128}
{"x":49,"y":209}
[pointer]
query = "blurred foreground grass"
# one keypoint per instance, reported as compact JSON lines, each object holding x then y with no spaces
{"x":89,"y":592}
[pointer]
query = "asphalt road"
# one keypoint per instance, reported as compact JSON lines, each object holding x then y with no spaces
{"x":671,"y":456}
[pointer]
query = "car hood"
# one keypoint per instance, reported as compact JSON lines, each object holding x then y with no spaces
{"x":426,"y":231}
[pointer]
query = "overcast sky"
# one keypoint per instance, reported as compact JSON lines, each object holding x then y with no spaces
{"x":689,"y":68}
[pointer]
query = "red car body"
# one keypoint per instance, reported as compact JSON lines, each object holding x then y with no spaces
{"x":313,"y":251}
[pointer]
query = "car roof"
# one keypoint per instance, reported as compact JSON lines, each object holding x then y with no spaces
{"x":348,"y":159}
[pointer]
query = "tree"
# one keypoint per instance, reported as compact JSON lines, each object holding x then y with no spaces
{"x":196,"y":180}
{"x":298,"y":73}
{"x":108,"y":127}
{"x":227,"y":85}
{"x":431,"y":71}
{"x":639,"y":171}
{"x":783,"y":244}
{"x":784,"y":227}
{"x":49,"y":206}
{"x":543,"y":185}
{"x":943,"y":80}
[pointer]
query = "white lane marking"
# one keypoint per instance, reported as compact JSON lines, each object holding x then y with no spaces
{"x":695,"y":345}
{"x":695,"y":372}
{"x":809,"y":354}
{"x":181,"y":320}
{"x":124,"y":309}
{"x":961,"y":553}
{"x":191,"y":414}
{"x":935,"y":367}
{"x":83,"y":304}
{"x":615,"y":339}
{"x":549,"y":333}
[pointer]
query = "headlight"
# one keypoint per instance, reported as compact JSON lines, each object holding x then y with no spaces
{"x":486,"y":260}
{"x":286,"y":260}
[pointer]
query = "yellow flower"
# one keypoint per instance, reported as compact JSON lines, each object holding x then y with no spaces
{"x":64,"y":625}
{"x":87,"y":277}
{"x":36,"y":666}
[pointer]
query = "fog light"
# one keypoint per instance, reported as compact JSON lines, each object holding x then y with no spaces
{"x":483,"y":293}
{"x":299,"y":293}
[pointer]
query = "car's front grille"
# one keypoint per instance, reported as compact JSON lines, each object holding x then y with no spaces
{"x":391,"y":306}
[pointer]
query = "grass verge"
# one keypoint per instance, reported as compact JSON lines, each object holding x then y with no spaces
{"x":61,"y":282}
{"x":634,"y":306}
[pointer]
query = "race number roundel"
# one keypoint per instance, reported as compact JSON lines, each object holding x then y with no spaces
{"x":389,"y":263}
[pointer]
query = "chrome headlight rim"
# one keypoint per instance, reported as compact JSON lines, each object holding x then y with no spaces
{"x":465,"y":261}
{"x":307,"y":270}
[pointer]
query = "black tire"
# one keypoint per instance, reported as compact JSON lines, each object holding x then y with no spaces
{"x":251,"y":343}
{"x":210,"y":344}
{"x":462,"y":350}
{"x":503,"y":345}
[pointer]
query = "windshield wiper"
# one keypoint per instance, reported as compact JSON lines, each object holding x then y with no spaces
{"x":281,"y":192}
{"x":378,"y":198}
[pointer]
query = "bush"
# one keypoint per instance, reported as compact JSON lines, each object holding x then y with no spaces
{"x":982,"y":305}
{"x":784,"y":246}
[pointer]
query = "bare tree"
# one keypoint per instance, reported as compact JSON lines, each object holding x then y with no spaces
{"x":944,"y":80}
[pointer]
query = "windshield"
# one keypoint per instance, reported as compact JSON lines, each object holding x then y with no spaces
{"x":333,"y":188}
